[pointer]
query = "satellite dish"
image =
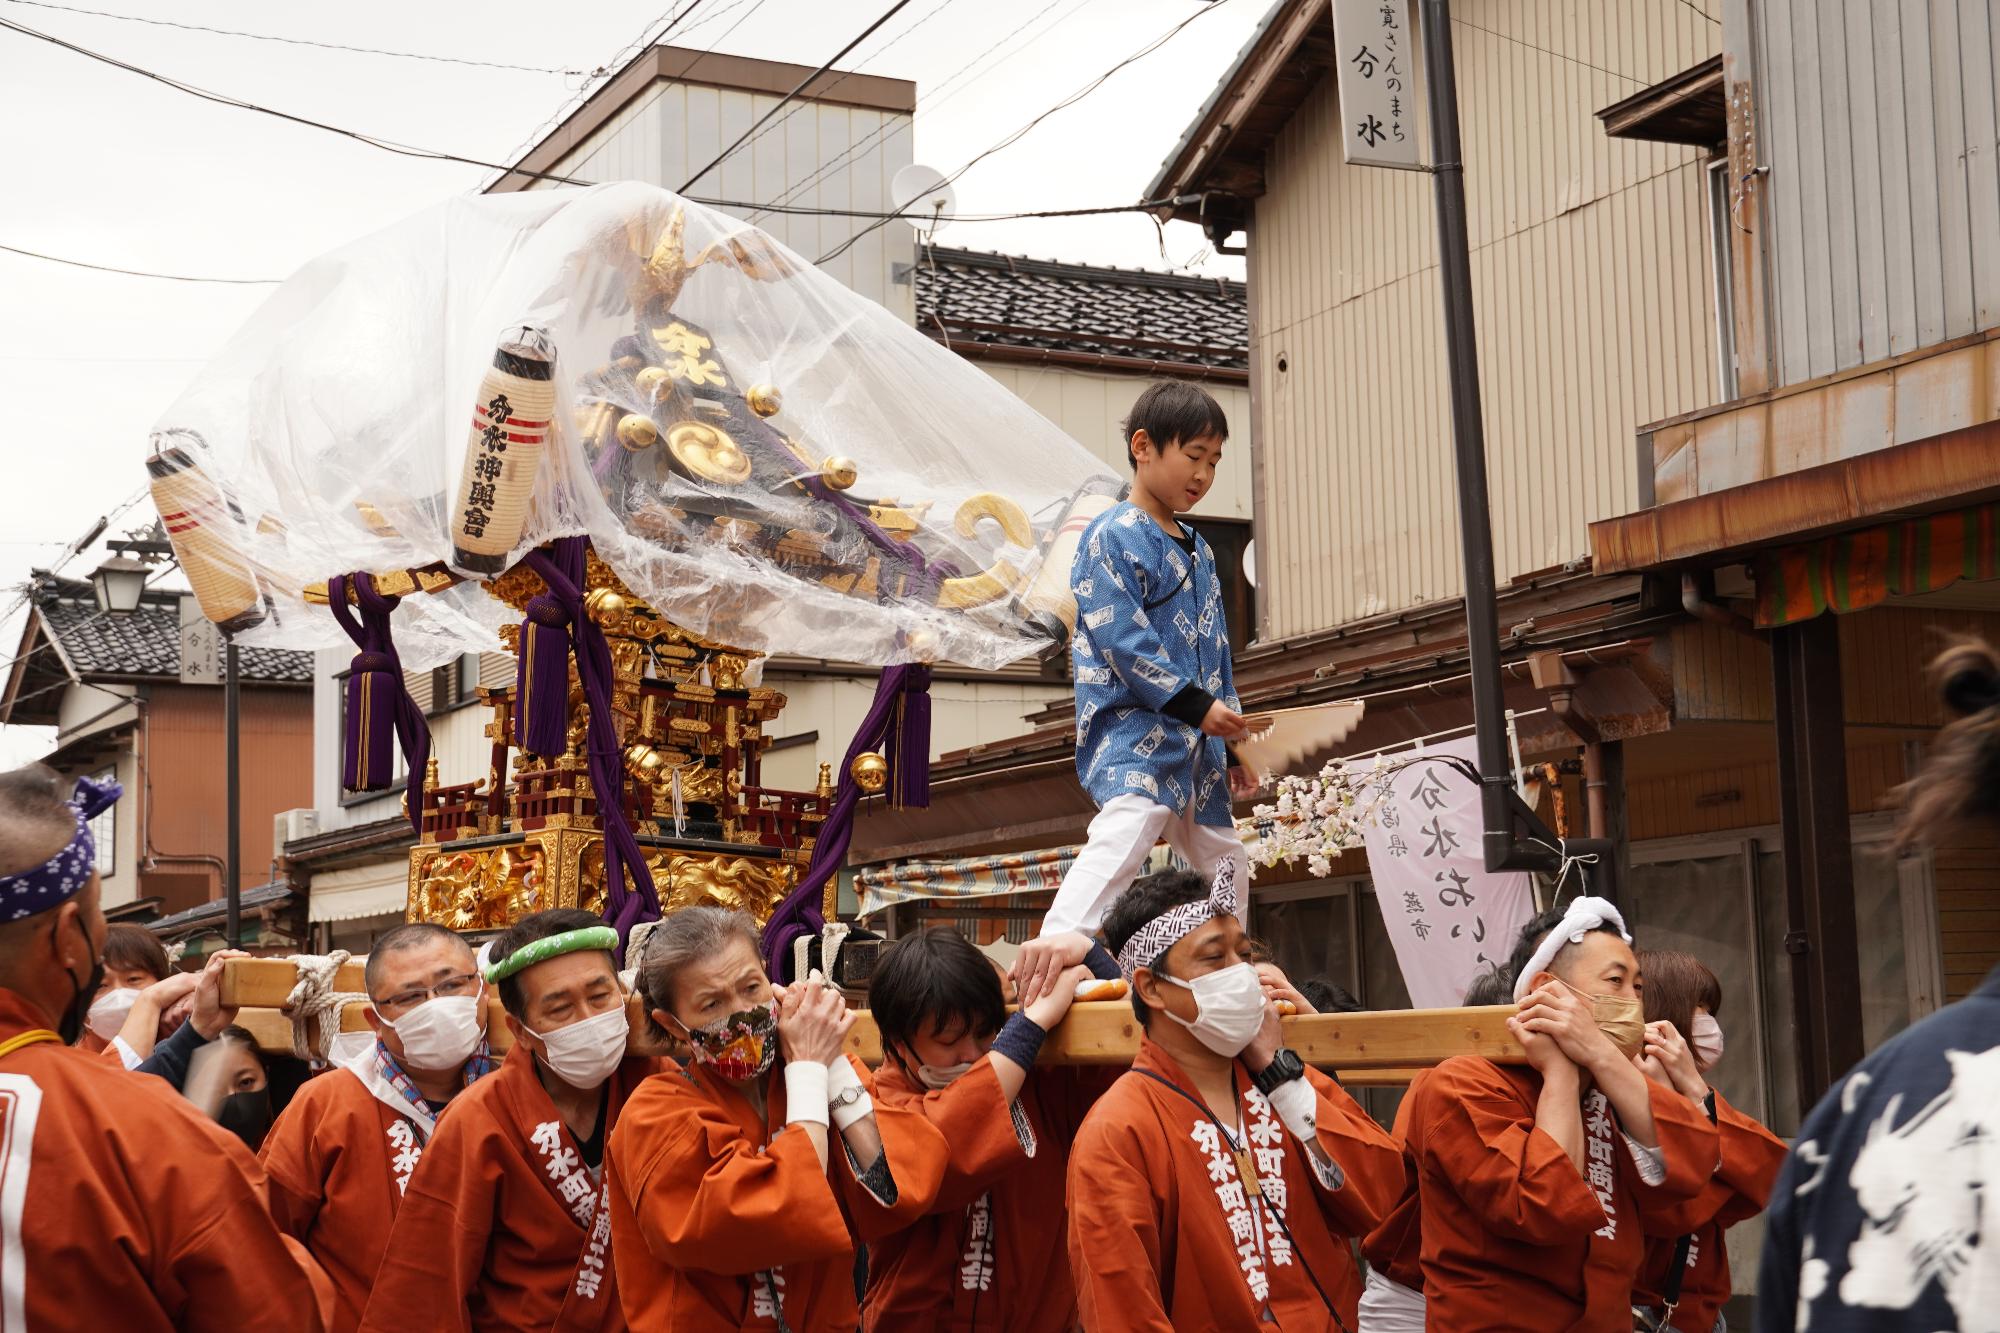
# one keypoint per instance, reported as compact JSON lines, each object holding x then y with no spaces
{"x":924,"y":193}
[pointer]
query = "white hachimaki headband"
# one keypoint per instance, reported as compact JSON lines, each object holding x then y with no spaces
{"x":1170,"y":927}
{"x":1583,"y":916}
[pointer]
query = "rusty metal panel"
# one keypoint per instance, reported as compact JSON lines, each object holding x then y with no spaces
{"x":182,"y":768}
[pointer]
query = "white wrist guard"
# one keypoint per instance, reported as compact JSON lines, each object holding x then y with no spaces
{"x":1297,"y":1104}
{"x":805,"y":1092}
{"x":847,"y":1097}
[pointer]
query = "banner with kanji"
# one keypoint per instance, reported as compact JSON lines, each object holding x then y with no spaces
{"x":1446,"y":915}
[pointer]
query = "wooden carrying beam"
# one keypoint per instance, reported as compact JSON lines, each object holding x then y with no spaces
{"x":1366,"y":1048}
{"x":267,"y":982}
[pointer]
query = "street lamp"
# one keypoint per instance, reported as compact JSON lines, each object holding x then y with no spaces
{"x":119,"y":583}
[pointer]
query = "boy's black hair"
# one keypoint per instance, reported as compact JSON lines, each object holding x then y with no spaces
{"x":127,"y":946}
{"x":1328,"y":998}
{"x":540,"y":926}
{"x":1531,"y":936}
{"x":937,"y":977}
{"x":1149,"y":896}
{"x":1173,"y":412}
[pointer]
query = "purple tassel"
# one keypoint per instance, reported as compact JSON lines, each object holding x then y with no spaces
{"x":541,"y":681}
{"x":908,"y":744}
{"x":902,"y":708}
{"x":369,"y":757}
{"x":377,"y":701}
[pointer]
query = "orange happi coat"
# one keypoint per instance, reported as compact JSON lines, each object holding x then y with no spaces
{"x":1751,"y":1158}
{"x":718,"y":1218}
{"x":339,"y":1159}
{"x":1163,"y":1234}
{"x":503,"y":1225}
{"x":991,"y":1253}
{"x":122,"y":1207}
{"x":1514,"y":1236}
{"x":1394,"y":1248}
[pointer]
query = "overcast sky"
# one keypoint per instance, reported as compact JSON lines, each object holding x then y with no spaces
{"x":112,"y":168}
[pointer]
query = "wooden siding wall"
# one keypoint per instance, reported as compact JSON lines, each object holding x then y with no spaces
{"x":1743,"y":794}
{"x":1724,"y":676}
{"x":1968,"y":888}
{"x":1593,"y":296}
{"x":1878,"y":124}
{"x":1089,"y":408}
{"x":674,"y":128}
{"x":183,"y":766}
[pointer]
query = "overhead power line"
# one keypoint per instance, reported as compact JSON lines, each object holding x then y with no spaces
{"x":898,"y":7}
{"x":302,"y":41}
{"x":1017,"y":135}
{"x":134,"y":272}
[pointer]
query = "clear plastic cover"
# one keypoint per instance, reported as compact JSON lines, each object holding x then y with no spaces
{"x":767,"y":458}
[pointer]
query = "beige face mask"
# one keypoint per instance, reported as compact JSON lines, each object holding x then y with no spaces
{"x":1621,"y":1018}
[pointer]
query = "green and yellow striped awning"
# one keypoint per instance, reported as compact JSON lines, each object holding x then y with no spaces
{"x":1857,"y":570}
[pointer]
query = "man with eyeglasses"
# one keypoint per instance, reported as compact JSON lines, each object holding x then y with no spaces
{"x":341,"y":1155}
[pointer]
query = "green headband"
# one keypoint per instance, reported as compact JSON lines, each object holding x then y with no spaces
{"x":603,"y":938}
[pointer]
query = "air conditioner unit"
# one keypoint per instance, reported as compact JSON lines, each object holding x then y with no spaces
{"x":290,"y":826}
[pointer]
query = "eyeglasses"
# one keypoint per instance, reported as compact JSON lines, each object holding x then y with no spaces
{"x":402,"y":1001}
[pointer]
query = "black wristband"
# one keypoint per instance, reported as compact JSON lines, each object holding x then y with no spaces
{"x":1020,"y":1040}
{"x":1100,"y":962}
{"x":1190,"y":706}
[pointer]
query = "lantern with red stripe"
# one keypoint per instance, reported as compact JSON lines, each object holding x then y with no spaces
{"x":207,"y":532}
{"x":510,"y":430}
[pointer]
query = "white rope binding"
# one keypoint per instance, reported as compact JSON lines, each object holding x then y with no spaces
{"x":315,"y":1007}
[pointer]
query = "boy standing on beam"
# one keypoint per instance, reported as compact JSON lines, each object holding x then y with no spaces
{"x":1217,"y":1183}
{"x":1155,"y":693}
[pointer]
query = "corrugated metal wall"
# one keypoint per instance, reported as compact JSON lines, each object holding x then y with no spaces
{"x":1089,"y":407}
{"x":1595,"y":310}
{"x":1878,"y":121}
{"x":672,"y":129}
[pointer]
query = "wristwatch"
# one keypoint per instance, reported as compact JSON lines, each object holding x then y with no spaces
{"x":849,"y":1095}
{"x":1284,"y":1067}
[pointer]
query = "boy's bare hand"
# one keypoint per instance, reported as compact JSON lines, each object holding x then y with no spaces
{"x":1243,"y":784}
{"x":1224,"y":721}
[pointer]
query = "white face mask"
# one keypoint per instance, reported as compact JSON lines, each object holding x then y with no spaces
{"x":942,"y":1076}
{"x":587,"y":1052}
{"x":1229,"y":1008}
{"x":438,"y":1035}
{"x":110,"y":1010}
{"x":1707,"y":1043}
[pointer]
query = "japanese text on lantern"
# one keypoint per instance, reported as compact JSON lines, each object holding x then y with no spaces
{"x":1375,"y":71}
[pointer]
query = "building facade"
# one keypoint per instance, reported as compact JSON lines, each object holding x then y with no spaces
{"x":111,"y":684}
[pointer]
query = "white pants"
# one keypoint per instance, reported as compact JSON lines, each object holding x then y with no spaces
{"x":1388,"y":1306}
{"x":1120,"y":839}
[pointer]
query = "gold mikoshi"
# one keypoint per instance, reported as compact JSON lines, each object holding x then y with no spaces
{"x":870,"y":771}
{"x":765,"y":400}
{"x":636,"y":433}
{"x":604,"y":604}
{"x":651,"y":381}
{"x":708,"y":453}
{"x":839,"y":472}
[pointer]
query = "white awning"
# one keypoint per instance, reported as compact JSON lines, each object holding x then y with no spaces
{"x":371,"y":890}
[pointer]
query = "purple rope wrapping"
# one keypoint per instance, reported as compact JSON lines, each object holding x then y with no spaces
{"x":907,"y":731}
{"x":562,"y":570}
{"x":374,"y":636}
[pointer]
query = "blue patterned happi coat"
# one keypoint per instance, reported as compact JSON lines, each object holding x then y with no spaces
{"x":1147,"y":627}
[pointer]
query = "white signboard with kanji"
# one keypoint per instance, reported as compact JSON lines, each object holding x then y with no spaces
{"x":1375,"y":70}
{"x":201,"y":645}
{"x":1447,"y":917}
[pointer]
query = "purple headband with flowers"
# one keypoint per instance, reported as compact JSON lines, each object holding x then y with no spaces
{"x":61,"y":877}
{"x":1170,"y":927}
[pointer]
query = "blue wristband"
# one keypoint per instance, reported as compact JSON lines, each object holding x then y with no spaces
{"x":1020,"y":1040}
{"x":1101,"y":964}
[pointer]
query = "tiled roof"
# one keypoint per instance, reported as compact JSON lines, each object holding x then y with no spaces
{"x":145,"y":643}
{"x":970,"y":301}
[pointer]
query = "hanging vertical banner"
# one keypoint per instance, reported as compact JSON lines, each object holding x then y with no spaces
{"x":1446,"y":915}
{"x":1375,"y":70}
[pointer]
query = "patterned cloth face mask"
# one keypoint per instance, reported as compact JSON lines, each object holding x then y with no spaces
{"x":740,"y":1047}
